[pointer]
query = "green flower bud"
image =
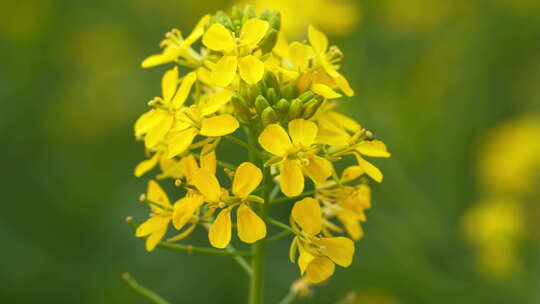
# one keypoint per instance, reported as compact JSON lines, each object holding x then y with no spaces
{"x":271,"y":80}
{"x":269,"y":116}
{"x":270,"y":40}
{"x":306,"y":96}
{"x":263,"y":88}
{"x":260,"y":104}
{"x":310,"y":108}
{"x":271,"y":95}
{"x":287,"y":92}
{"x":282,"y":107}
{"x":295,"y":109}
{"x":241,"y":108}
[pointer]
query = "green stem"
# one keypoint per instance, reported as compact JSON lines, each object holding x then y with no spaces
{"x":193,"y":249}
{"x":240,"y":260}
{"x":289,"y":298}
{"x":280,"y":224}
{"x":251,"y":148}
{"x":206,"y":250}
{"x":143,"y":291}
{"x":259,"y":248}
{"x":278,"y":236}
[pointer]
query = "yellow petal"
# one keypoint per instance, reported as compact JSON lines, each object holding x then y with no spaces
{"x":352,"y":225}
{"x":275,"y":140}
{"x":184,"y":210}
{"x":339,"y":249}
{"x":351,"y":173}
{"x":373,"y":148}
{"x":147,"y":121}
{"x":324,"y":90}
{"x":369,"y":169}
{"x":246,"y":179}
{"x":219,"y":234}
{"x":208,"y":185}
{"x":304,"y":259}
{"x":169,"y":83}
{"x":170,"y":167}
{"x":303,"y":132}
{"x":198,"y":31}
{"x":282,"y":46}
{"x":218,"y":38}
{"x":219,"y":125}
{"x":253,"y":31}
{"x":317,"y":39}
{"x":151,"y":225}
{"x":181,"y":141}
{"x":251,"y":69}
{"x":224,"y":71}
{"x":158,"y":132}
{"x":184,"y":89}
{"x":216,"y":102}
{"x":154,"y":60}
{"x":307,"y":213}
{"x":300,"y":55}
{"x":156,"y":195}
{"x":343,"y":84}
{"x":189,"y":167}
{"x":203,"y":75}
{"x":291,"y":178}
{"x":250,"y":226}
{"x":318,"y":169}
{"x":344,"y":121}
{"x":208,"y":158}
{"x":155,"y":238}
{"x":146,"y":165}
{"x":319,"y":270}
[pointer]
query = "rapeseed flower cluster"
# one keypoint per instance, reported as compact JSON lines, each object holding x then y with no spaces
{"x":237,"y":72}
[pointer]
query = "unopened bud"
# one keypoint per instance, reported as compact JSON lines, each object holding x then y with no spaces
{"x":310,"y":108}
{"x":295,"y":109}
{"x":271,"y":80}
{"x":306,"y":96}
{"x":282,"y":107}
{"x":287,"y":92}
{"x":241,"y":108}
{"x":269,"y":116}
{"x":260,"y":104}
{"x":269,"y":42}
{"x":271,"y":95}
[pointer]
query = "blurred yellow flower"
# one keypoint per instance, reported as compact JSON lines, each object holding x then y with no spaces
{"x":337,"y":17}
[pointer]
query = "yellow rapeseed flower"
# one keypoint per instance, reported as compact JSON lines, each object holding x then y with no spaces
{"x":176,"y":46}
{"x":161,"y":214}
{"x":237,"y":52}
{"x":250,"y":227}
{"x":297,"y":157}
{"x":317,"y":255}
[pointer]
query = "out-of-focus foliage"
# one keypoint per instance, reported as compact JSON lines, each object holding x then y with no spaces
{"x":432,"y":78}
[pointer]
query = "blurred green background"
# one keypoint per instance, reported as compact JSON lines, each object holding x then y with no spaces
{"x":432,"y":77}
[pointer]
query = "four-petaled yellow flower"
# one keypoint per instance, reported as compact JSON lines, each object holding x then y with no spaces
{"x":317,"y":255}
{"x":161,"y":214}
{"x":157,"y":122}
{"x":298,"y":157}
{"x":238,"y":52}
{"x":249,"y":226}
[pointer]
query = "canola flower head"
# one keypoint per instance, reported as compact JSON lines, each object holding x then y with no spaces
{"x":237,"y":71}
